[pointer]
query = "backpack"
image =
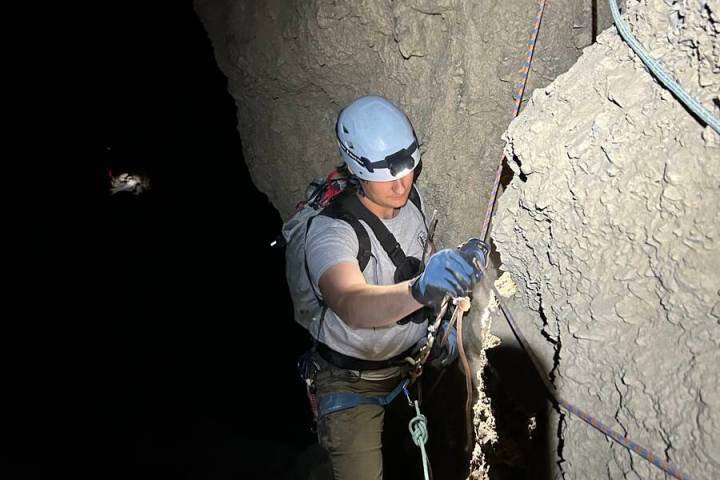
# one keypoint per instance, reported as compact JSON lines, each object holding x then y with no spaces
{"x":329,"y":196}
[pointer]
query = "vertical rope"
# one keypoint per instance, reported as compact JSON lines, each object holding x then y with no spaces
{"x":518,"y":95}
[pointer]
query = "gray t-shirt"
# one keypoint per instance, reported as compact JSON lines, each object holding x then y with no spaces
{"x":331,"y":241}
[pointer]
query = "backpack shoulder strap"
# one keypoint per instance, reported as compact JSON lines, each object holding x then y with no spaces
{"x":336,"y":210}
{"x":351,"y":204}
{"x":415,"y":199}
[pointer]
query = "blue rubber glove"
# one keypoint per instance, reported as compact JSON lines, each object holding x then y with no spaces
{"x":476,"y":249}
{"x":448,"y":272}
{"x":444,"y":355}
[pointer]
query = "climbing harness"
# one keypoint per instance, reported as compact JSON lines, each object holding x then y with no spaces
{"x":337,"y":401}
{"x":333,"y":402}
{"x":321,"y":405}
{"x":665,"y":79}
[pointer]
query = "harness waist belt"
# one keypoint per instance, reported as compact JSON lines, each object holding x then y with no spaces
{"x":334,"y":402}
{"x":351,"y":363}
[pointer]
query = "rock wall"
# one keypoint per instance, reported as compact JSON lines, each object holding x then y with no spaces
{"x":611,"y":228}
{"x":450,"y":64}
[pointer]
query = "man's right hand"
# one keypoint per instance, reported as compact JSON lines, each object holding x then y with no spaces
{"x":448,"y":272}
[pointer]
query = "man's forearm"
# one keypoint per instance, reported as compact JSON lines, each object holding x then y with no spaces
{"x":368,"y":306}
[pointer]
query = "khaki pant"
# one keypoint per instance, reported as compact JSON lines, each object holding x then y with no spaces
{"x":353,"y":437}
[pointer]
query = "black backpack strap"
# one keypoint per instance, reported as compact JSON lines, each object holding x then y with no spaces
{"x":336,"y":210}
{"x":415,"y":199}
{"x":352,"y":205}
{"x":348,"y":207}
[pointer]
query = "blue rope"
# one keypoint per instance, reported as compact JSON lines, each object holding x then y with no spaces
{"x":661,"y":75}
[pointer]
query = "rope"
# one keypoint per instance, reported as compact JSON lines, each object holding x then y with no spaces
{"x":419,"y":433}
{"x":468,"y":384}
{"x":462,"y":305}
{"x":666,"y":80}
{"x":518,"y":95}
{"x":582,"y":415}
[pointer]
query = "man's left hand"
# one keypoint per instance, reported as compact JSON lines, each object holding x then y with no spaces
{"x":444,"y":354}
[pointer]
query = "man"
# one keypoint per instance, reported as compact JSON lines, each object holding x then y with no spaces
{"x":374,"y":317}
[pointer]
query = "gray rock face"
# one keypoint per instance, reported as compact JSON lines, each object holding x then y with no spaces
{"x":613,"y":234}
{"x":450,"y":64}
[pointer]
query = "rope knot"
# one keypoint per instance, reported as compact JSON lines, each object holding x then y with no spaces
{"x":418,"y":428}
{"x":463,"y":303}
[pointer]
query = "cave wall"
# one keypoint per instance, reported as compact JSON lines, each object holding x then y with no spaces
{"x":450,"y":64}
{"x":611,"y":229}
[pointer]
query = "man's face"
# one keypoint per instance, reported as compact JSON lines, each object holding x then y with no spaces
{"x":389,"y":195}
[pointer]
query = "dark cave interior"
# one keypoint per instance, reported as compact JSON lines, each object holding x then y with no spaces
{"x":165,"y":367}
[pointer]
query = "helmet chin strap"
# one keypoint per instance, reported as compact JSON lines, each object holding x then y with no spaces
{"x":417,"y":171}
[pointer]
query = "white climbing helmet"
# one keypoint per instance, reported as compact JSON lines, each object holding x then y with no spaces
{"x":376,"y":140}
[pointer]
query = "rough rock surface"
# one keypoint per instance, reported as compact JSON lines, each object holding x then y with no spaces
{"x":611,"y":228}
{"x":449,"y":64}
